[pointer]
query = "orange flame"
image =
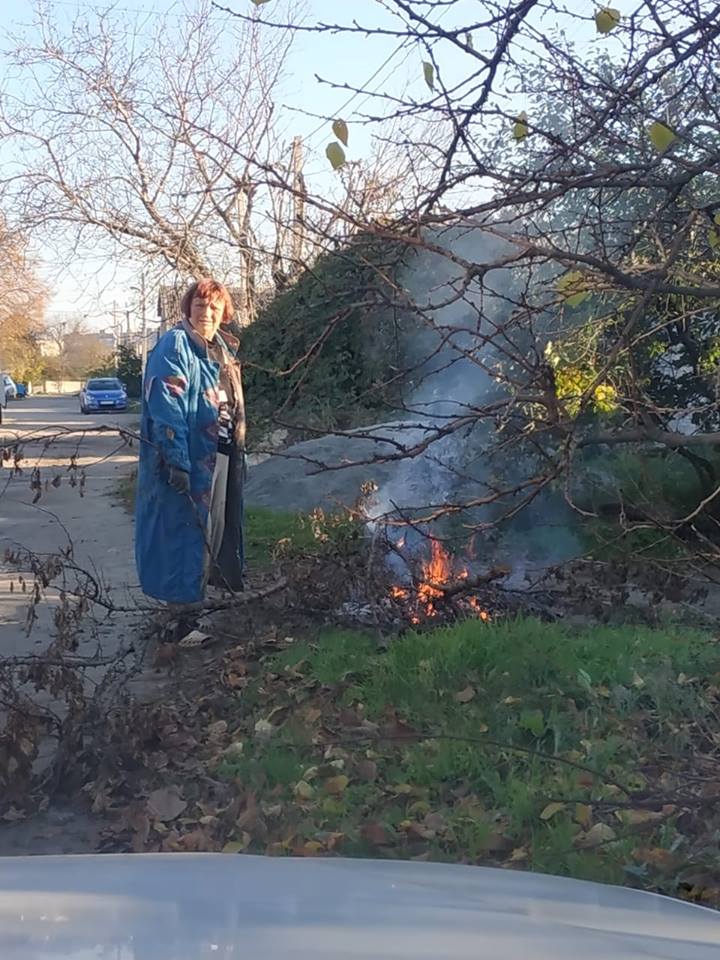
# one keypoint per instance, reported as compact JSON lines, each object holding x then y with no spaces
{"x":481,"y":611}
{"x":435,"y":573}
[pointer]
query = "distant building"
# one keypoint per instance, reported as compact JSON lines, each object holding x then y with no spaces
{"x":108,"y":339}
{"x":48,"y":346}
{"x":133,"y":341}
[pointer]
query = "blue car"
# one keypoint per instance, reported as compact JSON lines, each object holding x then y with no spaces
{"x":103,"y":393}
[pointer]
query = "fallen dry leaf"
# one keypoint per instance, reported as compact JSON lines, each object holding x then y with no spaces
{"x":303,"y":790}
{"x":640,"y":818}
{"x":710,"y":896}
{"x":196,"y":638}
{"x":217,"y":729}
{"x":498,"y":843}
{"x":336,"y":785}
{"x":197,"y":841}
{"x":311,"y":715}
{"x":165,"y":804}
{"x":596,"y":836}
{"x":583,"y":815}
{"x":235,"y":751}
{"x":311,"y":849}
{"x":367,"y":770}
{"x":375,"y":834}
{"x":401,"y":789}
{"x":436,"y":822}
{"x":331,"y":840}
{"x":657,"y":857}
{"x":415,"y":829}
{"x":466,"y":695}
{"x":519,"y":854}
{"x":264,"y":730}
{"x":233,"y":847}
{"x":551,"y":810}
{"x":141,"y":832}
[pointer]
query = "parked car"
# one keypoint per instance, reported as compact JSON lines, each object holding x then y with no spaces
{"x":9,"y":388}
{"x":187,"y":906}
{"x":103,"y":393}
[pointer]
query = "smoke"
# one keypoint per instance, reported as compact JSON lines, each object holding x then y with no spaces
{"x":460,"y":351}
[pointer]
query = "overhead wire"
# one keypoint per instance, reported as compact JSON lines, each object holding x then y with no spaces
{"x":407,"y":41}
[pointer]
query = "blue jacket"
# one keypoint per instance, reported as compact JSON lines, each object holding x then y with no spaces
{"x":179,"y":428}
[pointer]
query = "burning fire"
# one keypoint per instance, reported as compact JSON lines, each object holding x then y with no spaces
{"x":436,"y":573}
{"x":481,"y":612}
{"x":437,"y":570}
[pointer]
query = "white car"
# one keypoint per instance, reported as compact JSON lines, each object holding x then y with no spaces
{"x":185,"y":906}
{"x":9,"y":388}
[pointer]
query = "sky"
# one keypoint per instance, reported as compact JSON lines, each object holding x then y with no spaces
{"x":93,"y":286}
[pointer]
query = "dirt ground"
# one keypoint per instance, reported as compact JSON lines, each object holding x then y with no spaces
{"x":98,"y":528}
{"x":100,"y":533}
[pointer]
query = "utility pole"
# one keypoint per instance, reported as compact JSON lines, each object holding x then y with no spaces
{"x":62,"y":354}
{"x":116,"y":324}
{"x":297,"y":243}
{"x":143,"y":309}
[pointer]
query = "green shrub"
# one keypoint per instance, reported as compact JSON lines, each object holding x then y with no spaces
{"x":322,"y":351}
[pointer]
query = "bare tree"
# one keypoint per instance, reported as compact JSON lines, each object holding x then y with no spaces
{"x":110,"y":118}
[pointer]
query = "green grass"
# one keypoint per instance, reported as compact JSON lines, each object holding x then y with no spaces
{"x":268,"y":533}
{"x":512,"y":715}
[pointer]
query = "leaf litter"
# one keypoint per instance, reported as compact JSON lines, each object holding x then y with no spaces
{"x":286,"y":745}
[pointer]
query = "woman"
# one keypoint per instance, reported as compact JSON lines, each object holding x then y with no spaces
{"x":192,"y":455}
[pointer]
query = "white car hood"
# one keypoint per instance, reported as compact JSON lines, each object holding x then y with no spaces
{"x":215,"y":907}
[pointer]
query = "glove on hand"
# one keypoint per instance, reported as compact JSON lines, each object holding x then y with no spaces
{"x":179,"y":480}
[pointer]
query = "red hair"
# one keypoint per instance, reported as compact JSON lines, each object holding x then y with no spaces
{"x":211,"y":290}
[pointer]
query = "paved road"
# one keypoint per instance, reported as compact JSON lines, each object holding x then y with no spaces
{"x":100,"y":528}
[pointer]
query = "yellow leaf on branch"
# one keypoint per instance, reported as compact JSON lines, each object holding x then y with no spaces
{"x":520,"y":129}
{"x":571,"y":286}
{"x":607,"y":19}
{"x":340,"y":129}
{"x":429,"y":74}
{"x":661,"y":136}
{"x":336,"y":155}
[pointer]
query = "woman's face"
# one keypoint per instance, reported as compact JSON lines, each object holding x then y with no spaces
{"x":206,"y":316}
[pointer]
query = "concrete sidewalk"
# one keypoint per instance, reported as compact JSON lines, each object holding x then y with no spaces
{"x":98,"y":528}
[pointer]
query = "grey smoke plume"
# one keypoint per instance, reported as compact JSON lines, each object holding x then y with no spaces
{"x":456,"y":380}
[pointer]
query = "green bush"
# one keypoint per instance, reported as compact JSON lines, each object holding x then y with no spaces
{"x":129,"y":370}
{"x":319,"y":355}
{"x":641,"y":498}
